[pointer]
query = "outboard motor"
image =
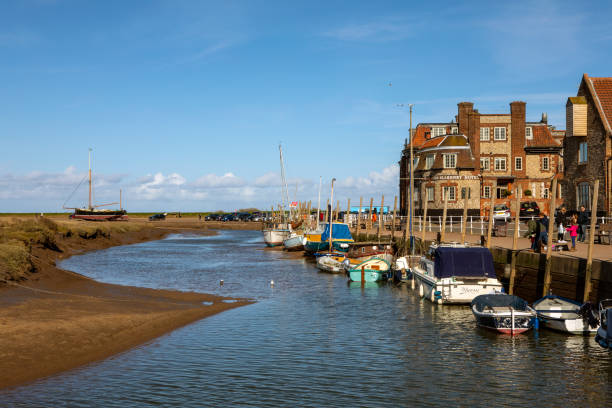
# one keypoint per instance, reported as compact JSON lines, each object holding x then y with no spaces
{"x":589,"y":314}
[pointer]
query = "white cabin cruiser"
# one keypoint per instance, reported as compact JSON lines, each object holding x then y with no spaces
{"x":453,"y":273}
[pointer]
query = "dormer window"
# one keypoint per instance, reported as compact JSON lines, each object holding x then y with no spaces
{"x":455,"y":131}
{"x":450,"y":161}
{"x":438,"y":131}
{"x":429,"y":161}
{"x":528,"y":133}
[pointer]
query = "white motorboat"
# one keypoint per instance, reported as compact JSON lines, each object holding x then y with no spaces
{"x":274,"y":236}
{"x":565,"y":315}
{"x":604,"y":332}
{"x":507,"y":314}
{"x":455,"y":274}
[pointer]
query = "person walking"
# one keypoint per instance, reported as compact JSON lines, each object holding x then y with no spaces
{"x":541,"y":233}
{"x":532,"y":227}
{"x":573,"y":230}
{"x":583,"y":221}
{"x":561,"y":221}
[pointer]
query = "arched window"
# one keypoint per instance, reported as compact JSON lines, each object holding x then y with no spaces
{"x":584,"y":195}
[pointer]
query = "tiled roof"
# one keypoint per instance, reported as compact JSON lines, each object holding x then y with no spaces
{"x":542,"y":137}
{"x":603,"y":90}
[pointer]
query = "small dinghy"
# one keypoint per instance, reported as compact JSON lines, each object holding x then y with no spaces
{"x":503,"y":313}
{"x":330,"y":262}
{"x":372,"y":270}
{"x":604,"y":332}
{"x":566,"y":315}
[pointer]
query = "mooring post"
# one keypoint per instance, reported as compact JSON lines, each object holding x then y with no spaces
{"x":551,"y":223}
{"x":443,"y":220}
{"x":425,"y":203}
{"x":362,"y":275}
{"x":491,"y":205}
{"x":359,"y":215}
{"x":589,"y":265}
{"x":381,"y":221}
{"x":347,"y":217}
{"x":464,"y":219}
{"x":514,"y":244}
{"x":369,"y":224}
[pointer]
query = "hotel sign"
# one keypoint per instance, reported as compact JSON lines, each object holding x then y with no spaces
{"x":453,"y":177}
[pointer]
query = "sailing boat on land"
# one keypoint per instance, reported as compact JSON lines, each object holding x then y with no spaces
{"x":94,"y":212}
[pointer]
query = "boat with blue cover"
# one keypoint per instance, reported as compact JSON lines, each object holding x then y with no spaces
{"x":455,"y":274}
{"x":318,"y":240}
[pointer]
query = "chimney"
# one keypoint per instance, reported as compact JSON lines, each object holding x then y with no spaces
{"x":544,"y":118}
{"x":473,"y":135}
{"x":517,"y":134}
{"x":464,"y":108}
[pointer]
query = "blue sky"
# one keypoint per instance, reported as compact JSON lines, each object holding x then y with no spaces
{"x":185,"y":102}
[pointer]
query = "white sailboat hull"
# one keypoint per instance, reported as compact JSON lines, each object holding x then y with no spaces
{"x":275,"y":237}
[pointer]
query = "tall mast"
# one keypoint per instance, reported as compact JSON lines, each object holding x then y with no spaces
{"x":90,"y":204}
{"x":285,"y":190}
{"x":319,"y":204}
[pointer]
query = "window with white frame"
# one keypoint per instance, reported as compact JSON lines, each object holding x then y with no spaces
{"x":450,"y":191}
{"x":455,"y":130}
{"x":486,"y":191}
{"x":485,"y":163}
{"x":450,"y":161}
{"x":518,"y":163}
{"x":545,"y":163}
{"x":464,"y":191}
{"x":429,"y":161}
{"x":500,"y":164}
{"x":430,"y":193}
{"x":528,"y":133}
{"x":438,"y":131}
{"x":484,"y":133}
{"x":500,"y":133}
{"x":583,"y":153}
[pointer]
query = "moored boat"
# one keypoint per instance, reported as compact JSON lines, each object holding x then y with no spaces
{"x":330,"y":262}
{"x":565,"y":315}
{"x":455,"y":274}
{"x":295,"y":242}
{"x":604,"y":332}
{"x":274,"y":236}
{"x":362,"y":251}
{"x":503,"y":313}
{"x":371,"y":270}
{"x":317,"y":241}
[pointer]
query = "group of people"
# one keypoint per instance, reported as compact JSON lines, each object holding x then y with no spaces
{"x":575,"y":225}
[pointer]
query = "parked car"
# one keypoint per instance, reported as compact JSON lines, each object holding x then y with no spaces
{"x":243,"y":216}
{"x":212,"y":217}
{"x":227,"y":217}
{"x":529,"y":209}
{"x":157,"y":217}
{"x":501,"y":212}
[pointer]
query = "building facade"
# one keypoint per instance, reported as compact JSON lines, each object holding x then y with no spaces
{"x":504,"y":151}
{"x":588,"y":144}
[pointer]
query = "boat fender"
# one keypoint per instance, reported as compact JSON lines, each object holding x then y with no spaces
{"x":304,"y":241}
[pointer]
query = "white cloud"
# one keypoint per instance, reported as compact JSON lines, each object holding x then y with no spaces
{"x":212,"y":180}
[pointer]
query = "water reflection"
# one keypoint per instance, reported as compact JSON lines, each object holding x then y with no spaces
{"x":313,"y":340}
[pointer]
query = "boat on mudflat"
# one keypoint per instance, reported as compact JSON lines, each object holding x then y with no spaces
{"x":371,"y":270}
{"x":507,"y":314}
{"x":318,"y":240}
{"x":453,"y":273}
{"x":295,"y":242}
{"x":330,"y":262}
{"x":275,"y":235}
{"x":565,"y":315}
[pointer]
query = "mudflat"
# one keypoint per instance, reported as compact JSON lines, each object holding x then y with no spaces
{"x":56,"y":320}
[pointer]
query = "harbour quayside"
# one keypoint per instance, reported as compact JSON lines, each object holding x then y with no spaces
{"x":94,"y":212}
{"x":455,"y":274}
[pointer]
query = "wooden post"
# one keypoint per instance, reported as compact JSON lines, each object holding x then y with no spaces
{"x":337,"y":210}
{"x":394,"y":215}
{"x":464,"y":219}
{"x":369,"y":224}
{"x":443,"y":221}
{"x":514,"y":242}
{"x":589,"y":265}
{"x":381,"y":224}
{"x":359,"y":215}
{"x":308,"y":217}
{"x":347,"y":217}
{"x":551,"y":223}
{"x":491,"y":205}
{"x":424,"y":219}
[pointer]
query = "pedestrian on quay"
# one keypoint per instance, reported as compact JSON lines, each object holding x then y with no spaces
{"x":561,"y":221}
{"x":532,"y":226}
{"x":541,"y":233}
{"x":374,"y":217}
{"x":583,"y":221}
{"x":573,"y":230}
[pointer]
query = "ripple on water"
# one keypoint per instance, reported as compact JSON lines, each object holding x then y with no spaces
{"x":313,"y":340}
